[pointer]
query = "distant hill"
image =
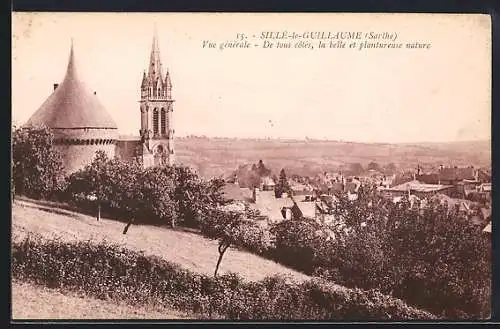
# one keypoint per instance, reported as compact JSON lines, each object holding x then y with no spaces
{"x":221,"y":156}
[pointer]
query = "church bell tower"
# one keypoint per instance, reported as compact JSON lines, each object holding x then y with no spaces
{"x":156,"y":105}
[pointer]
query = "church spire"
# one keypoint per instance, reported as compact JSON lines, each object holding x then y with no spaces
{"x":168,"y":82}
{"x":144,"y":83}
{"x":155,"y":69}
{"x":71,"y":72}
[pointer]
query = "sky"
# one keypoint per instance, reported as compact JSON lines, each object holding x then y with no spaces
{"x":439,"y":94}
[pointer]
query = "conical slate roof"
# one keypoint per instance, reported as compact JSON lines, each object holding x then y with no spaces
{"x":72,"y":105}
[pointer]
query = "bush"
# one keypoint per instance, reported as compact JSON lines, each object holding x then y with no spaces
{"x":297,"y":243}
{"x":110,"y":272}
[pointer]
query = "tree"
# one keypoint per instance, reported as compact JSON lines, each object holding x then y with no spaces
{"x":373,"y":166}
{"x":36,"y":164}
{"x":261,"y":169}
{"x":123,"y":182}
{"x":431,"y":257}
{"x":390,"y":168}
{"x":232,"y":228}
{"x":282,"y":186}
{"x":158,"y":189}
{"x":356,"y":168}
{"x":193,"y":196}
{"x":96,"y":184}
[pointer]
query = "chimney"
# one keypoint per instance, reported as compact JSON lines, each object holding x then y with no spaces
{"x":56,"y":85}
{"x":255,"y":195}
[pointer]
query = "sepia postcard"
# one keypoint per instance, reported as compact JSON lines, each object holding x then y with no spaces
{"x":251,"y":166}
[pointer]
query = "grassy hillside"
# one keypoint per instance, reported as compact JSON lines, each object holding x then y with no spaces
{"x":32,"y":302}
{"x":84,"y":260}
{"x":219,"y":156}
{"x":190,"y":250}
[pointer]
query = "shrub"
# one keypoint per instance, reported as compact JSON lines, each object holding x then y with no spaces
{"x":111,"y":272}
{"x":297,"y":243}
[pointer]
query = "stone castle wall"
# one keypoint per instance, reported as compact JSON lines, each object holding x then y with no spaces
{"x":76,"y":157}
{"x":79,"y":146}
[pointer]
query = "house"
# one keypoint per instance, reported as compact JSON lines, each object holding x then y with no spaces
{"x":465,"y":206}
{"x":484,"y":187}
{"x":451,"y":176}
{"x":486,"y":214}
{"x":455,"y":175}
{"x":417,"y":188}
{"x":402,"y":178}
{"x":483,"y":176}
{"x":352,"y":186}
{"x":429,"y":178}
{"x":267,"y":184}
{"x":308,"y":209}
{"x":237,"y":206}
{"x":233,"y":192}
{"x":270,"y":206}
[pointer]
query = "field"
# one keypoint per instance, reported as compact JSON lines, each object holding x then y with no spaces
{"x":220,"y":156}
{"x":190,"y":250}
{"x":31,"y":302}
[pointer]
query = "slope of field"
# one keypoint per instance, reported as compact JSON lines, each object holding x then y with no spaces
{"x":190,"y":250}
{"x":220,"y":156}
{"x":31,"y":302}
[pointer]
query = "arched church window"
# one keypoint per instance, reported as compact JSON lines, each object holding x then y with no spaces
{"x":163,"y":121}
{"x":155,"y":121}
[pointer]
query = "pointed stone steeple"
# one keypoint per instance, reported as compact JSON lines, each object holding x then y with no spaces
{"x":168,"y":82}
{"x":155,"y":69}
{"x":144,"y":83}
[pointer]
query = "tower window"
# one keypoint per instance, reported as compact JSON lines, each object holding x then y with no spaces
{"x":163,"y":121}
{"x":155,"y":121}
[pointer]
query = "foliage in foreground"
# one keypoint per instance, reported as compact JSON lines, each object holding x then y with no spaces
{"x":111,"y":272}
{"x":175,"y":194}
{"x":434,"y":259}
{"x":36,"y":163}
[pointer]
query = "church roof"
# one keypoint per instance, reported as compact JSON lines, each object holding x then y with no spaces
{"x":72,"y":105}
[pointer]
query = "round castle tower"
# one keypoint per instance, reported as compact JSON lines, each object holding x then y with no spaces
{"x":80,"y":123}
